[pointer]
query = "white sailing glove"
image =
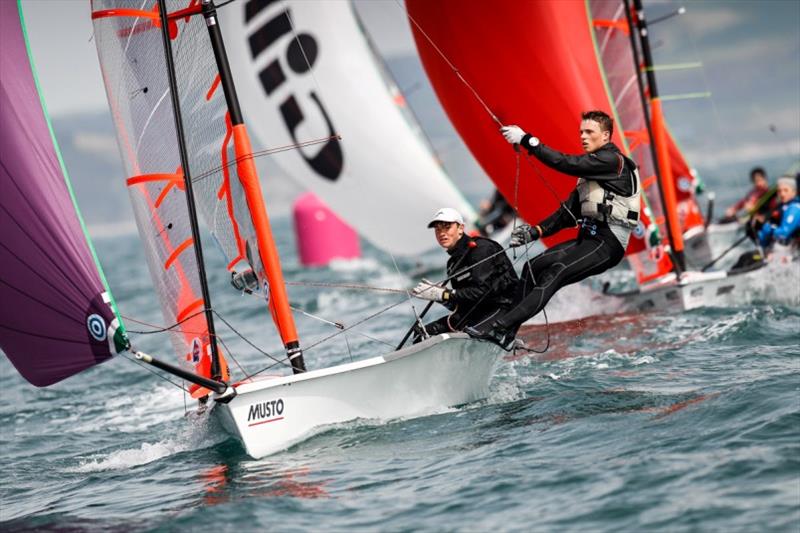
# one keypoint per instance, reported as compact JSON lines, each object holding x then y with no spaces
{"x":513,"y":134}
{"x":425,"y":290}
{"x":524,"y":234}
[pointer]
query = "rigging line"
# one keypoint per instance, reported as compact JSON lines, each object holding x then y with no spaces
{"x":157,"y":374}
{"x":337,"y":325}
{"x":263,"y":153}
{"x":305,"y":56}
{"x":257,"y":372}
{"x":230,"y":354}
{"x":408,"y":293}
{"x":470,"y":267}
{"x":349,"y":352}
{"x":452,"y":67}
{"x":343,"y":286}
{"x":516,"y":199}
{"x":474,"y":92}
{"x":714,"y":111}
{"x":245,"y":339}
{"x":370,"y":317}
{"x":163,"y":329}
{"x":552,"y":191}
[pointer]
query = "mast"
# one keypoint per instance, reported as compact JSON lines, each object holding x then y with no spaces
{"x":216,"y":372}
{"x":649,"y":125}
{"x":657,"y":130}
{"x":249,"y":179}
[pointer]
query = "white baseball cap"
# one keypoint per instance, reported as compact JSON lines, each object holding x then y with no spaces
{"x":446,"y":214}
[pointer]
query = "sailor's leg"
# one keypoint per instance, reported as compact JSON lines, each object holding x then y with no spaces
{"x":533,"y":269}
{"x":568,"y":265}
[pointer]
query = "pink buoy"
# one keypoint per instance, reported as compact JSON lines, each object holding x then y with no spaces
{"x":321,"y":235}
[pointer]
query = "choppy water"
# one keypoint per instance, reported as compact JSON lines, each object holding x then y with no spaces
{"x":672,"y":422}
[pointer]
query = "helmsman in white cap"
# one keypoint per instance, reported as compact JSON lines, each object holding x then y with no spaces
{"x":483,"y":281}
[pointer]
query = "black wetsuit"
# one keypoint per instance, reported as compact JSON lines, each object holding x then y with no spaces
{"x":595,"y":250}
{"x":480,"y":294}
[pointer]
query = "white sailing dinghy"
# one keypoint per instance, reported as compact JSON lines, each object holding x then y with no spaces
{"x":777,"y":279}
{"x":186,"y":153}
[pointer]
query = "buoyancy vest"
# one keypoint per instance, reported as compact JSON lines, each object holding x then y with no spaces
{"x":602,"y":204}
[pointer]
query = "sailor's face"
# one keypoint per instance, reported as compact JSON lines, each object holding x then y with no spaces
{"x":785,"y":193}
{"x":592,"y":137}
{"x":448,"y":233}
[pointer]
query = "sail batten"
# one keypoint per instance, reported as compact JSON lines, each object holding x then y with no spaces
{"x":132,"y":58}
{"x":197,"y":167}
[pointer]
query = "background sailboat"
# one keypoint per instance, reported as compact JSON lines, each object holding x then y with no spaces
{"x":305,"y":71}
{"x":550,"y":76}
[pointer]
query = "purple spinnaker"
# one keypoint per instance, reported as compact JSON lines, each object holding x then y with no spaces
{"x":54,"y":321}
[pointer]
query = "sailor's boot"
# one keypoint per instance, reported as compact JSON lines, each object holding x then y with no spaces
{"x":496,"y":332}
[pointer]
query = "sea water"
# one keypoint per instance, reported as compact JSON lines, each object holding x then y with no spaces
{"x":679,"y":422}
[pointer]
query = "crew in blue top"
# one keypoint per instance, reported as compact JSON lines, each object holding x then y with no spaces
{"x":785,"y":224}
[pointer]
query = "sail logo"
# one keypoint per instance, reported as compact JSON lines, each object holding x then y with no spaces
{"x":196,"y":350}
{"x":97,"y":327}
{"x":263,"y":412}
{"x":302,"y":52}
{"x":638,"y":231}
{"x":684,"y":184}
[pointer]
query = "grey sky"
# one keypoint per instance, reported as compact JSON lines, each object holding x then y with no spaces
{"x":750,"y":51}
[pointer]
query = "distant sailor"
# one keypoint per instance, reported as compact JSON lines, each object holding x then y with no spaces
{"x":604,"y":204}
{"x":484,"y":283}
{"x":784,"y":225}
{"x":757,"y":200}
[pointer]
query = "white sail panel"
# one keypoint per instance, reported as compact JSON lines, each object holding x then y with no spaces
{"x":381,"y":178}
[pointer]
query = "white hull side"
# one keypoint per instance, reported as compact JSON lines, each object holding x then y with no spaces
{"x":697,"y":248}
{"x":777,"y":282}
{"x":444,"y":371}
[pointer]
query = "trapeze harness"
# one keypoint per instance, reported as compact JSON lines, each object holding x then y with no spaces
{"x":598,"y":247}
{"x":601,"y":204}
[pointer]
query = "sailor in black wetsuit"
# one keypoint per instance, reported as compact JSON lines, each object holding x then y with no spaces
{"x":605,"y":206}
{"x":484,"y":283}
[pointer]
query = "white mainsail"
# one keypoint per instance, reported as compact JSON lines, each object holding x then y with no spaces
{"x":305,"y":71}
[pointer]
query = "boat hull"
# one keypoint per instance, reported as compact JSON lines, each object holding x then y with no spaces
{"x":778,"y":281}
{"x":444,"y":371}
